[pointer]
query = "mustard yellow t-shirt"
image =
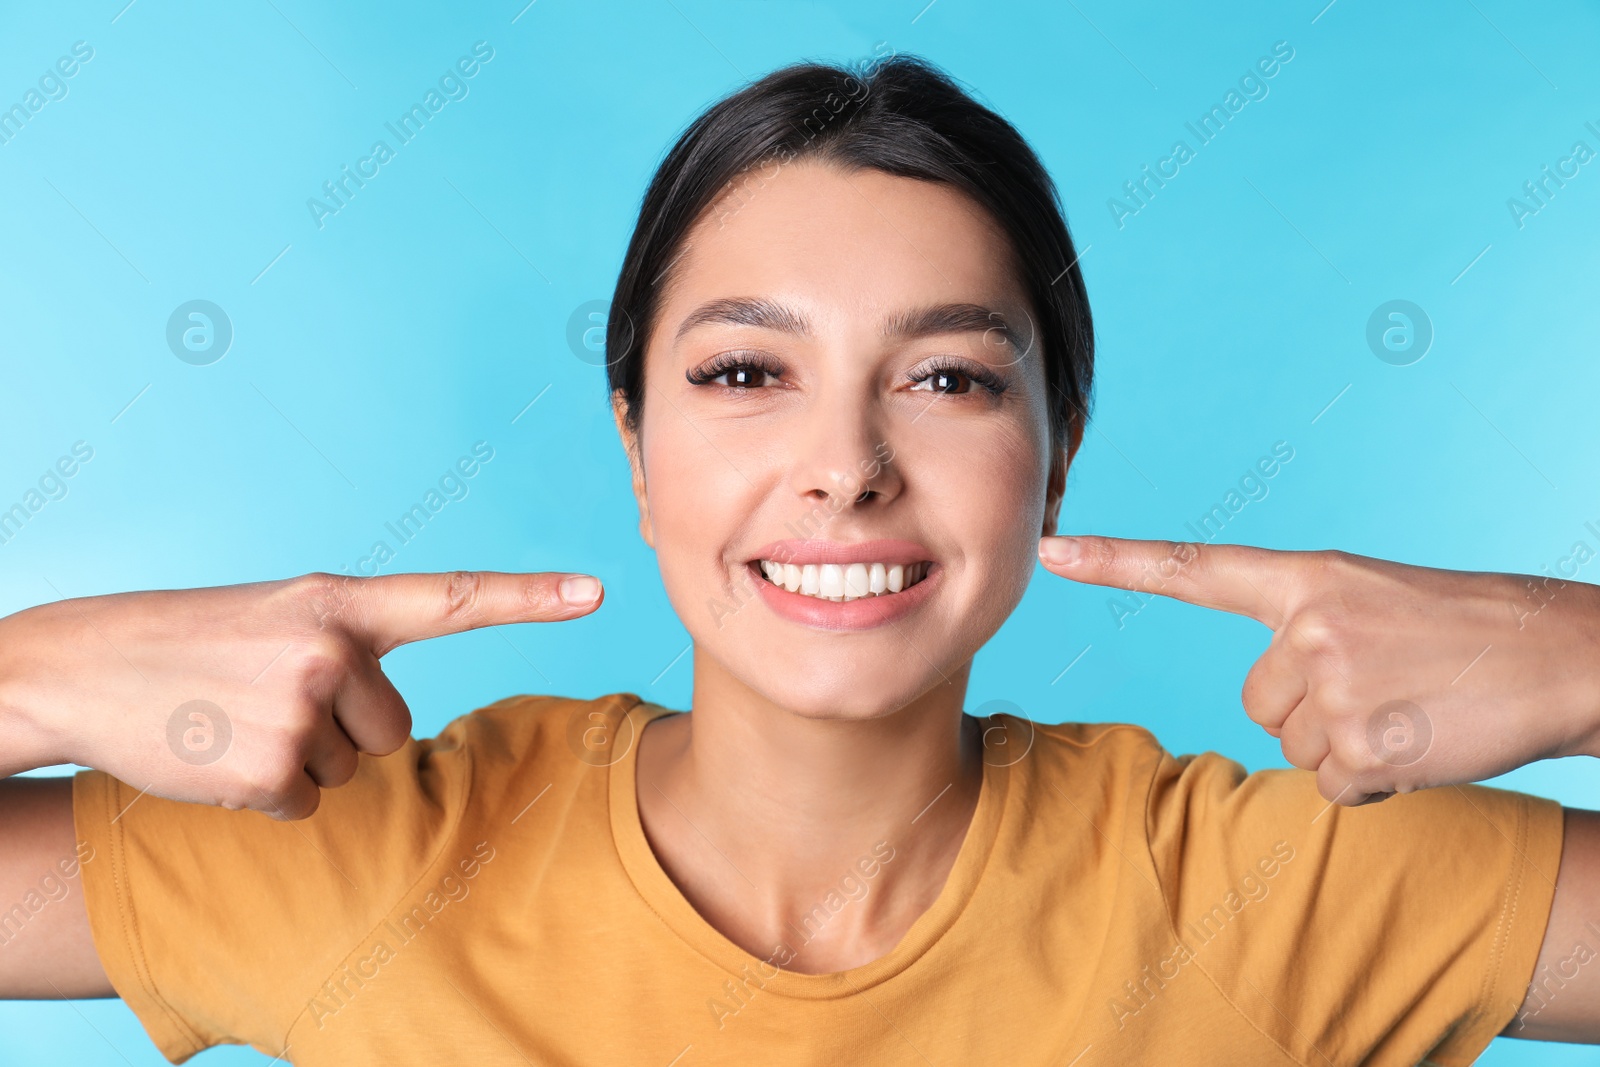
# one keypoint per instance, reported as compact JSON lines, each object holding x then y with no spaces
{"x":488,"y":897}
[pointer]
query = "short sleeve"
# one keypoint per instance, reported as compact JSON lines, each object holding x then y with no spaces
{"x":1400,"y":932}
{"x":217,"y":926}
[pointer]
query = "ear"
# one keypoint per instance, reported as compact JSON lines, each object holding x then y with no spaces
{"x":630,"y":445}
{"x":1056,"y":483}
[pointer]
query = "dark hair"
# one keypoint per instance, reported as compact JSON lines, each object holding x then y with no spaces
{"x":900,"y":115}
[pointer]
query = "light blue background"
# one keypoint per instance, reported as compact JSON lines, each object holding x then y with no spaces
{"x":431,"y":310}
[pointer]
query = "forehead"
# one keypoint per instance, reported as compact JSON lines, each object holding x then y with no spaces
{"x":842,"y":244}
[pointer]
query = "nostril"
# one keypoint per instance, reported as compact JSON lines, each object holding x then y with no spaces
{"x":866,"y":494}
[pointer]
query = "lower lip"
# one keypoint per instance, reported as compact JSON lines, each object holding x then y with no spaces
{"x":860,"y":614}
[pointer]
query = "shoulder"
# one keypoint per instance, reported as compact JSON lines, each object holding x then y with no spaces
{"x":497,"y":750}
{"x":1168,"y":802}
{"x":1104,"y":744}
{"x":1080,"y":757}
{"x":528,"y":726}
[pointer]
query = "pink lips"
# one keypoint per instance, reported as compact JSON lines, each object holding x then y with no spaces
{"x":882,"y":551}
{"x":862,"y":614}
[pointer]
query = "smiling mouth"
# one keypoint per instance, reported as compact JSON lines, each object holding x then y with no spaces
{"x":842,"y":582}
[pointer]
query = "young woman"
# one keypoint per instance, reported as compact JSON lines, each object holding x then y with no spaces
{"x":850,"y":357}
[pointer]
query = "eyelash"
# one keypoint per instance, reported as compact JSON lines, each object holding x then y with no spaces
{"x":720,"y":365}
{"x":727,"y":362}
{"x":981,"y":376}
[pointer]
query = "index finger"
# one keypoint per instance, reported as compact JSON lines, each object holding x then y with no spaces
{"x":394,"y":609}
{"x":1258,"y":582}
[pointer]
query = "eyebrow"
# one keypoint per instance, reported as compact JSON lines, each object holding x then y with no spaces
{"x":916,"y":322}
{"x":743,"y":311}
{"x":947,"y":318}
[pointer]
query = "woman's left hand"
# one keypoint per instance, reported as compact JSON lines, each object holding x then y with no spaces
{"x":1382,"y":677}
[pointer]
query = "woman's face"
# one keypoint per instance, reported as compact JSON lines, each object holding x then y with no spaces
{"x":842,"y":393}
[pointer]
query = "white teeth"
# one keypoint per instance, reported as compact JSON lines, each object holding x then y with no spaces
{"x":841,"y":582}
{"x":831,"y":583}
{"x":855,"y":580}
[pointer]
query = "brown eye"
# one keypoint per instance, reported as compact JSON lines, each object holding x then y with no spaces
{"x":737,"y":371}
{"x":944,"y":381}
{"x":744,"y":377}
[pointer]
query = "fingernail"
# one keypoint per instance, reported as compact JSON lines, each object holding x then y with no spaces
{"x":1060,"y":550}
{"x":579,"y":591}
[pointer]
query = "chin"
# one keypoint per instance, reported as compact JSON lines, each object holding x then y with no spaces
{"x":845,"y":695}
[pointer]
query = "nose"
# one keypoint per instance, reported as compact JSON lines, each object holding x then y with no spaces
{"x":843,"y":458}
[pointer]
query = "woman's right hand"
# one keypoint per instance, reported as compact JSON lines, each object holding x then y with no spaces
{"x":247,"y":696}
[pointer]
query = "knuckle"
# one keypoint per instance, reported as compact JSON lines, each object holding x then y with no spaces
{"x":1102,"y":552}
{"x":234,"y":795}
{"x":1347,"y":740}
{"x":1175,"y":556}
{"x":1326,"y":562}
{"x":259,"y":790}
{"x":329,"y":597}
{"x":539,"y":596}
{"x":1248,"y":696}
{"x":1253,"y":696}
{"x":345,"y":771}
{"x":1319,"y":633}
{"x":1330,"y":570}
{"x":1298,"y":753}
{"x":1335,"y":712}
{"x":397,"y":734}
{"x":318,"y":665}
{"x":315,"y":588}
{"x":277,"y":786}
{"x":300,"y":806}
{"x":462,"y":593}
{"x":312,"y":583}
{"x":1336,"y":559}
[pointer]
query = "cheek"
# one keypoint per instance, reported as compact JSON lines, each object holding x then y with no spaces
{"x":699,"y":503}
{"x":988,"y":489}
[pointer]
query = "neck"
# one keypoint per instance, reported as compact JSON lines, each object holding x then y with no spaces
{"x":757,"y":812}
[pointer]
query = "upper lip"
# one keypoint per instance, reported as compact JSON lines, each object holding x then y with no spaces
{"x":884,"y":550}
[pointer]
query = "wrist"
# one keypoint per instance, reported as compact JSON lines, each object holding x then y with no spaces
{"x":1591,"y":630}
{"x":28,"y":740}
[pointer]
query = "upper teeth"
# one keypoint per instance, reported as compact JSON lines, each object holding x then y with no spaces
{"x":844,"y":581}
